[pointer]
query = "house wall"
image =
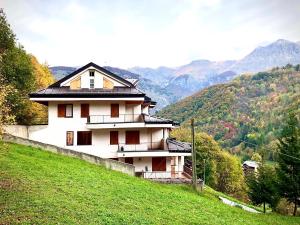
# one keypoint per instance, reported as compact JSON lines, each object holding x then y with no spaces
{"x":55,"y":132}
{"x":140,"y":163}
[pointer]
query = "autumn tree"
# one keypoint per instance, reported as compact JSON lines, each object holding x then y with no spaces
{"x":230,"y":178}
{"x":23,"y":73}
{"x":223,"y":171}
{"x":6,"y":115}
{"x":43,"y":78}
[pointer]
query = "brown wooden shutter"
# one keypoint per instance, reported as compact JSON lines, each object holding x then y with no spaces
{"x":114,"y":137}
{"x":84,"y":137}
{"x":85,"y":110}
{"x":159,"y":164}
{"x":61,"y":110}
{"x":114,"y":110}
{"x":132,"y":137}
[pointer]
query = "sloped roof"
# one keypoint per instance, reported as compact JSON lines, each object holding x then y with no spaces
{"x":86,"y":92}
{"x":58,"y":83}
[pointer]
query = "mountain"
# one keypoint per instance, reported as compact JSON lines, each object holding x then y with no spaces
{"x":160,"y":75}
{"x":279,"y":53}
{"x":61,"y":71}
{"x":243,"y":113}
{"x":206,"y":72}
{"x":160,"y":94}
{"x":167,"y":85}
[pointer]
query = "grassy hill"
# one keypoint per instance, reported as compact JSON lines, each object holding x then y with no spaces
{"x":38,"y":187}
{"x":251,"y":108}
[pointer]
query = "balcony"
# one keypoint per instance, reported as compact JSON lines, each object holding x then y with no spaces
{"x":122,"y":118}
{"x":145,"y":146}
{"x":170,"y":147}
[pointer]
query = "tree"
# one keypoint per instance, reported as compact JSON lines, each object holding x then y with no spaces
{"x":7,"y":37}
{"x":24,"y":74}
{"x":262,"y":186}
{"x":43,"y":78}
{"x":206,"y":149}
{"x":222,"y":170}
{"x":230,"y":177}
{"x":6,"y":115}
{"x":289,"y":160}
{"x":256,"y":157}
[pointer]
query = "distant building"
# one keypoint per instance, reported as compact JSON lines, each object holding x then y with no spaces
{"x":250,"y":166}
{"x":97,"y":112}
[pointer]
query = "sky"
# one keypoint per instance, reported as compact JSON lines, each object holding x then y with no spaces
{"x":148,"y":33}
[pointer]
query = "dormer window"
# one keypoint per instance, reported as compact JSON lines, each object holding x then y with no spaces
{"x":92,"y":73}
{"x":92,"y":83}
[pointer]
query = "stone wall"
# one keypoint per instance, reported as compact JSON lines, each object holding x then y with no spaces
{"x":108,"y":163}
{"x":17,"y":130}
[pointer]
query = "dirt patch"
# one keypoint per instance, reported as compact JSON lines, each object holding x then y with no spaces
{"x":6,"y":184}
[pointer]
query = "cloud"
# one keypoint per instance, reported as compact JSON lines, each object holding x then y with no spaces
{"x":128,"y":33}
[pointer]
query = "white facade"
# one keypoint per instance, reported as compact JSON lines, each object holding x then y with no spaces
{"x":100,"y":122}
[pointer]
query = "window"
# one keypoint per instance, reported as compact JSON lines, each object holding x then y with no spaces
{"x":84,"y":137}
{"x":85,"y":110}
{"x":70,"y":138}
{"x":159,"y":164}
{"x":132,"y":137}
{"x":65,"y":110}
{"x":129,"y":160}
{"x":114,"y":110}
{"x":114,"y":137}
{"x":92,"y":83}
{"x":92,"y":73}
{"x":69,"y":110}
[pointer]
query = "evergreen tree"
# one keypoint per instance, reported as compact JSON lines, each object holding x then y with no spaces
{"x":289,"y":160}
{"x":263,"y":186}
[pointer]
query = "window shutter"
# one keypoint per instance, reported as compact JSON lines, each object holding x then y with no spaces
{"x":84,"y":137}
{"x":61,"y":110}
{"x":132,"y":137}
{"x":85,"y":110}
{"x":114,"y":110}
{"x":159,"y":164}
{"x":114,"y":137}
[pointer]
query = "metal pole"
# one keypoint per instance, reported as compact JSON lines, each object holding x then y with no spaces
{"x":193,"y":155}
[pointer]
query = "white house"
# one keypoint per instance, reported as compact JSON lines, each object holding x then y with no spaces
{"x":97,"y":112}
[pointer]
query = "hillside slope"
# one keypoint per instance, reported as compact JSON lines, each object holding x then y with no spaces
{"x":250,"y":108}
{"x":38,"y":187}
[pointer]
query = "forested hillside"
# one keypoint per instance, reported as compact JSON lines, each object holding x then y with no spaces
{"x":245,"y":114}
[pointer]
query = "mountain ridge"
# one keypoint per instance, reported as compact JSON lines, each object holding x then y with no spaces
{"x":168,"y":85}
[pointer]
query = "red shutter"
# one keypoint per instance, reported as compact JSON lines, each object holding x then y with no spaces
{"x":114,"y":137}
{"x":61,"y":110}
{"x":159,"y":164}
{"x":114,"y":110}
{"x":132,"y":137}
{"x":85,"y":110}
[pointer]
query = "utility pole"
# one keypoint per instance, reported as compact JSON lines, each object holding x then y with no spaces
{"x":194,"y":155}
{"x":204,"y":174}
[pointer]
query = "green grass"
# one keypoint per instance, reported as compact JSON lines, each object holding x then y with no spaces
{"x":38,"y":187}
